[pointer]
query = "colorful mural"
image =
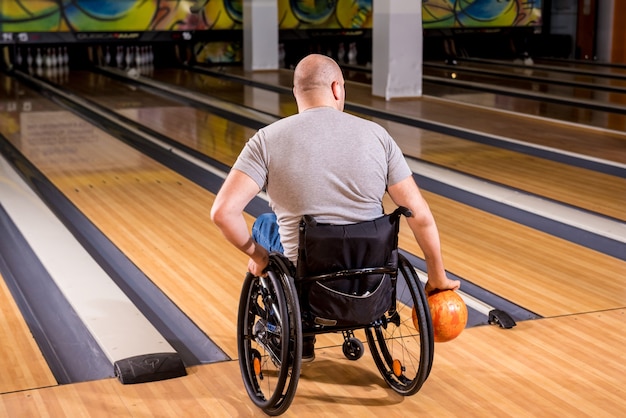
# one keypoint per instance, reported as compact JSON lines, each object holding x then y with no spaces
{"x":118,"y":15}
{"x":447,"y":14}
{"x":196,"y":15}
{"x":325,"y":14}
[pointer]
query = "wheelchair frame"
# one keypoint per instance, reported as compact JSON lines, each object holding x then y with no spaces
{"x":270,"y":331}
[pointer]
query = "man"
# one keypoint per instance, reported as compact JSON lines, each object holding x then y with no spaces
{"x":325,"y":163}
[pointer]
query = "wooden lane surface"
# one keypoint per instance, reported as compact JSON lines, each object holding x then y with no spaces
{"x":542,"y":273}
{"x":160,"y":220}
{"x":593,"y":75}
{"x":514,"y":261}
{"x":527,"y":275}
{"x":206,"y":132}
{"x":114,"y":185}
{"x":543,"y":85}
{"x":607,"y":145}
{"x":22,"y":364}
{"x":590,"y":190}
{"x":543,"y":368}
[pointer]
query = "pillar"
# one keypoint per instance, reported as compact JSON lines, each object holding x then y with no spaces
{"x":260,"y":35}
{"x":397,"y":49}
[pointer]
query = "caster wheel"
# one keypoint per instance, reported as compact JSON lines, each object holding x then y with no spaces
{"x":353,"y":349}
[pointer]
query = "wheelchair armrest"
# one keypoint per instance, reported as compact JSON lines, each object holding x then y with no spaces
{"x":401,"y":210}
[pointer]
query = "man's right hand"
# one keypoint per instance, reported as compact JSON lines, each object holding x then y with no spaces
{"x":258,"y":261}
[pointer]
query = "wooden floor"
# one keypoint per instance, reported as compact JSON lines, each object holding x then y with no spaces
{"x":568,"y":366}
{"x":572,"y":362}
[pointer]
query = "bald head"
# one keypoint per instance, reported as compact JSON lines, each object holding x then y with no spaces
{"x":318,"y":81}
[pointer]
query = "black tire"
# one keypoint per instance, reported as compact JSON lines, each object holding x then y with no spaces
{"x":402,"y":353}
{"x":269,"y":338}
{"x":353,"y":349}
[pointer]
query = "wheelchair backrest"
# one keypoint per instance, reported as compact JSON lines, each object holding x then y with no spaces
{"x":336,"y":249}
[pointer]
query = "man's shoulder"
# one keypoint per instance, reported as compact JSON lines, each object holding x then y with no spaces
{"x":281,"y":123}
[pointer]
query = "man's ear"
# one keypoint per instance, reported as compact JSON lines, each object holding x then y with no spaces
{"x":336,"y":87}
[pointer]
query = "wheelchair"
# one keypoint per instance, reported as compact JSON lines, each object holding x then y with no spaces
{"x":347,"y":278}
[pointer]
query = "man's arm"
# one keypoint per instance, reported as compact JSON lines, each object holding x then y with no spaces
{"x":227,"y":213}
{"x":422,"y":223}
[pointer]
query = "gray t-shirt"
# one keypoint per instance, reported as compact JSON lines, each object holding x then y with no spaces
{"x":325,"y":163}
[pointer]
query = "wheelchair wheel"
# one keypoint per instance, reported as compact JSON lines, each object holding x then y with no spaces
{"x":269,"y":337}
{"x":352,"y":349}
{"x":402,"y":343}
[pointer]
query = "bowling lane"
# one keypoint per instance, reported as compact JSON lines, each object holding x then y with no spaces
{"x":544,"y":90}
{"x":598,"y":68}
{"x":158,"y":218}
{"x":22,"y":363}
{"x":590,"y":190}
{"x":505,"y":256}
{"x":515,"y":126}
{"x":449,"y":85}
{"x":549,"y":73}
{"x":528,"y":99}
{"x":537,"y":110}
{"x":538,"y":271}
{"x":197,"y":129}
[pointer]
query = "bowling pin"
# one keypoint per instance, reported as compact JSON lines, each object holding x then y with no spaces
{"x":352,"y":53}
{"x":119,"y":57}
{"x":341,"y":53}
{"x":18,"y":57}
{"x":39,"y":58}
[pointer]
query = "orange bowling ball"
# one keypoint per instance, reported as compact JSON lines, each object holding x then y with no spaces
{"x":449,"y":315}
